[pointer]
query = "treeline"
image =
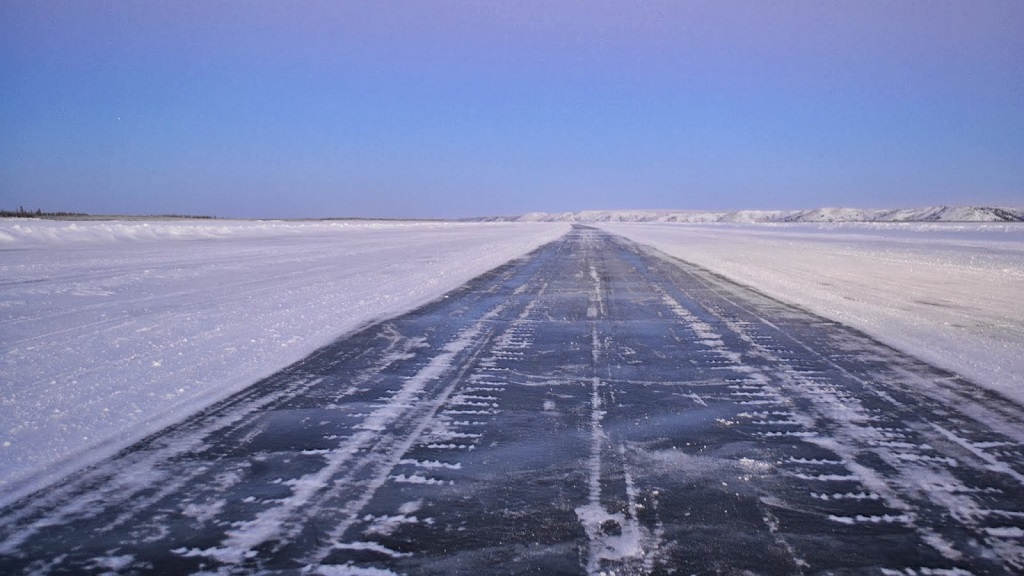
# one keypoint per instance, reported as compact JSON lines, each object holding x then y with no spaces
{"x":38,"y":213}
{"x":22,"y":213}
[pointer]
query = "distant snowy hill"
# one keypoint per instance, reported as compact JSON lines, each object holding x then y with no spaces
{"x":929,"y":214}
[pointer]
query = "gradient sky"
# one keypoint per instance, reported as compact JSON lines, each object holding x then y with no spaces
{"x":451,"y":109}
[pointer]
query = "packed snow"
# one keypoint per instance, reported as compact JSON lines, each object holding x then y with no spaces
{"x":110,"y":331}
{"x":949,"y":294}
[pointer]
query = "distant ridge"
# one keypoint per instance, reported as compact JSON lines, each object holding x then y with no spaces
{"x":929,"y":214}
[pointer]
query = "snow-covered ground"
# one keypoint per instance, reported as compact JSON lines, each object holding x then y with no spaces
{"x":112,"y":330}
{"x":950,"y":294}
{"x":925,"y":214}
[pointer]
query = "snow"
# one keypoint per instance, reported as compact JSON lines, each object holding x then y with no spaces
{"x":926,"y":214}
{"x":110,"y":331}
{"x":949,"y":294}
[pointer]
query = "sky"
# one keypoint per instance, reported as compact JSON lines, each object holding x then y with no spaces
{"x":447,"y":109}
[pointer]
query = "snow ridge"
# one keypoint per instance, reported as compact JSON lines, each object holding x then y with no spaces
{"x":927,"y":214}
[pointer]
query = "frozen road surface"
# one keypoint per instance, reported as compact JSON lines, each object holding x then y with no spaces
{"x":594,"y":407}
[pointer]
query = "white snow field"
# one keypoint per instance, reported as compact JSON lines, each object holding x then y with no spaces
{"x":950,"y":294}
{"x":925,"y":214}
{"x":112,"y":330}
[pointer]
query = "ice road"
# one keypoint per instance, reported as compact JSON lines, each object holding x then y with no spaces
{"x":593,"y":407}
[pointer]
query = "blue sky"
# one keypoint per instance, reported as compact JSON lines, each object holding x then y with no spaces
{"x":452,"y":109}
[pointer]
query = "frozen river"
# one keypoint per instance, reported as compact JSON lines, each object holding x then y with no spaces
{"x":593,"y":407}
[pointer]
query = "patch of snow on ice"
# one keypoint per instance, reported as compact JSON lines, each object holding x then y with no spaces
{"x":431,"y":464}
{"x":416,"y":479}
{"x":386,"y":525}
{"x":204,"y":512}
{"x":346,"y":570}
{"x":115,"y":564}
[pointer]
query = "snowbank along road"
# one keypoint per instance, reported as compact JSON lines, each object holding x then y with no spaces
{"x":594,"y":407}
